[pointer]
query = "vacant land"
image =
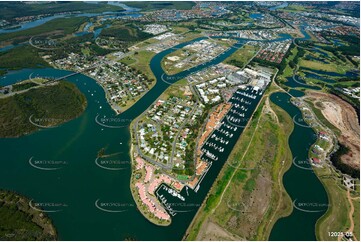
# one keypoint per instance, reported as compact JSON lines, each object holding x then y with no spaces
{"x":20,"y":222}
{"x":140,"y":61}
{"x":343,"y":116}
{"x":248,"y":196}
{"x":337,"y":216}
{"x":323,"y":67}
{"x":49,"y":106}
{"x":242,"y":56}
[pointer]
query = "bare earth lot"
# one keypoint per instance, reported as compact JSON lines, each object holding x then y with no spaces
{"x":341,"y":114}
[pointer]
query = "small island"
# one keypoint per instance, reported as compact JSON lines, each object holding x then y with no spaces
{"x":30,"y":105}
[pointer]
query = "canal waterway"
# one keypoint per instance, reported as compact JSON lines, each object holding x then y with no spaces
{"x":128,"y":12}
{"x":76,"y":186}
{"x":308,"y":195}
{"x":88,"y":199}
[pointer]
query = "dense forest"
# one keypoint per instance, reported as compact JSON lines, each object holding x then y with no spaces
{"x":20,"y":222}
{"x":48,"y":104}
{"x":344,"y":168}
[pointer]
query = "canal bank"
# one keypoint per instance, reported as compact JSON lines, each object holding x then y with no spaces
{"x":308,"y":195}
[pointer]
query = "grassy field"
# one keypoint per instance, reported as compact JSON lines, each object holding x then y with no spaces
{"x":241,"y":56}
{"x":356,"y":217}
{"x":179,"y":30}
{"x":128,"y":60}
{"x":62,"y":25}
{"x":336,"y":217}
{"x":23,"y":86}
{"x":175,"y":90}
{"x":169,"y":66}
{"x":263,"y":158}
{"x":140,"y":61}
{"x":191,"y":35}
{"x":288,"y":71}
{"x":50,"y":103}
{"x":293,"y":8}
{"x":146,"y":42}
{"x":332,"y":67}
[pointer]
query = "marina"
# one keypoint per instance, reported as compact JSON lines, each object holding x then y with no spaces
{"x":87,"y":137}
{"x":223,"y":138}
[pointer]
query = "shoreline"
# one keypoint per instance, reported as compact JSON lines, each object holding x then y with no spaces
{"x":214,"y":184}
{"x":117,"y":112}
{"x":39,"y":218}
{"x":132,"y":186}
{"x":283,"y":195}
{"x":322,"y":174}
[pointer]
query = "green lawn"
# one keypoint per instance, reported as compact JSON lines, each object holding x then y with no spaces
{"x":128,"y":60}
{"x":142,"y":62}
{"x":332,"y":67}
{"x":242,"y":56}
{"x":336,"y":217}
{"x":288,"y":71}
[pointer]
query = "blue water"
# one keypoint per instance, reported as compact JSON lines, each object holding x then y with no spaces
{"x":318,"y":50}
{"x":8,"y":47}
{"x":81,"y":182}
{"x":302,"y":185}
{"x":283,"y":5}
{"x":317,"y":59}
{"x":304,"y":32}
{"x":41,"y":21}
{"x":95,"y":32}
{"x":297,"y":82}
{"x":256,"y":15}
{"x":352,"y":74}
{"x":321,"y":78}
{"x":296,"y":93}
{"x":83,"y":136}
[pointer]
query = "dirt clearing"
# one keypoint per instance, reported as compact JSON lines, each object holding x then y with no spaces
{"x":343,"y":116}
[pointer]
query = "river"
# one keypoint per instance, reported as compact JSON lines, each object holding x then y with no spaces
{"x":78,"y":182}
{"x":77,"y":186}
{"x":128,"y":12}
{"x":283,"y":5}
{"x":308,"y":195}
{"x":37,"y":22}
